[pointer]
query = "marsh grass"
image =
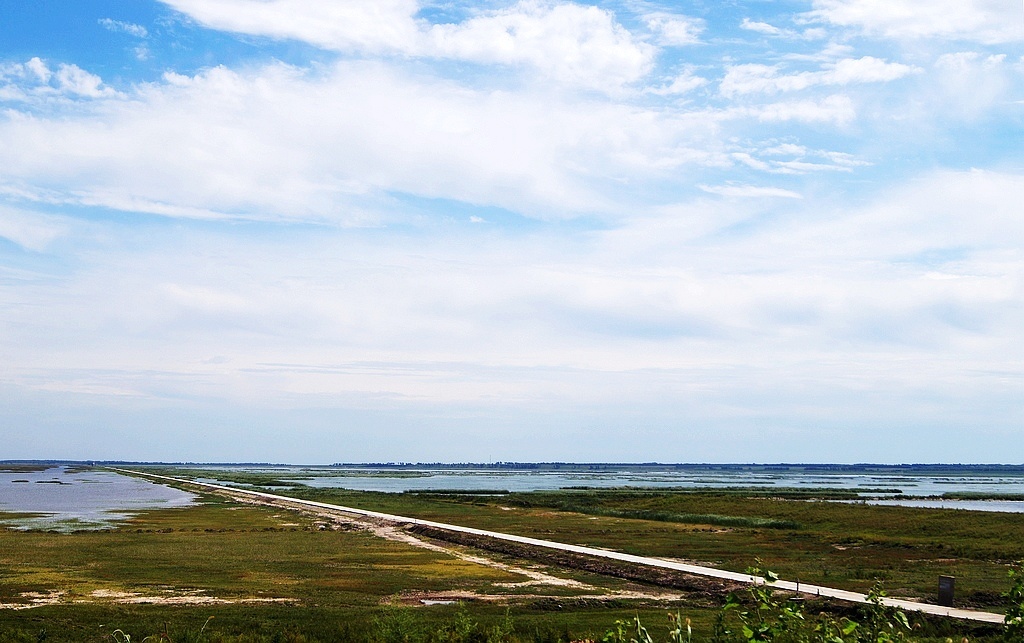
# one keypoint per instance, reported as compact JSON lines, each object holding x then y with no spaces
{"x":337,"y":580}
{"x":981,"y":495}
{"x":841,"y":545}
{"x":24,"y":468}
{"x":684,"y":518}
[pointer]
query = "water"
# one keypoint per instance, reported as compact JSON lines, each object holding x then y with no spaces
{"x":1000,"y":506}
{"x":95,"y":499}
{"x":68,"y":499}
{"x":399,"y":480}
{"x":916,"y":485}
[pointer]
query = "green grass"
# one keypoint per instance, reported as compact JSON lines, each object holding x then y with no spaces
{"x":981,"y":495}
{"x":24,"y":468}
{"x":338,"y":584}
{"x":231,"y":552}
{"x":835,"y":544}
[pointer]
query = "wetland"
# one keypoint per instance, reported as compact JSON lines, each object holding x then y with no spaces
{"x":266,"y":572}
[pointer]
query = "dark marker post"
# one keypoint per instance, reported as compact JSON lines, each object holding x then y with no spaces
{"x":946,"y":586}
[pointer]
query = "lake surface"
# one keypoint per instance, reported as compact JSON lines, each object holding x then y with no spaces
{"x":392,"y":480}
{"x":69,"y":498}
{"x":66,"y":499}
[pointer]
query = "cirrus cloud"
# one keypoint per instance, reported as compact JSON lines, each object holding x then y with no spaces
{"x":986,"y":21}
{"x":750,"y":78}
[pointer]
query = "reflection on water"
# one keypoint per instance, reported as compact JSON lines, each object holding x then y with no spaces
{"x":65,"y":498}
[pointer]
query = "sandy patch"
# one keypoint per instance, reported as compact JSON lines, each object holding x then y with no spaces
{"x":187,"y":598}
{"x":415,"y":597}
{"x":37,"y":599}
{"x":34,"y":599}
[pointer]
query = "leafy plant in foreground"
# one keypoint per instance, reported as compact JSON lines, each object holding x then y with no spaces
{"x":1014,"y":619}
{"x":883,"y":624}
{"x":770,"y":618}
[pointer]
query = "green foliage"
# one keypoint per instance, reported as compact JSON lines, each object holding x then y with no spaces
{"x":883,"y":624}
{"x":766,"y":617}
{"x":1014,"y":620}
{"x":675,"y":633}
{"x":395,"y":625}
{"x":628,"y":632}
{"x":399,"y":625}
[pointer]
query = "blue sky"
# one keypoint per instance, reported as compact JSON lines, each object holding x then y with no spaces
{"x":279,"y":230}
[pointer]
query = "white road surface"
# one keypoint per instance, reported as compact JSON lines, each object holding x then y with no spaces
{"x":711,"y":572}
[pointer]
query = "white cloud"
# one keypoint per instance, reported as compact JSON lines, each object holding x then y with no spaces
{"x":836,"y":108}
{"x":968,"y":83}
{"x":750,"y":191}
{"x":674,"y":30}
{"x":119,"y":26}
{"x":986,"y":21}
{"x":802,"y":167}
{"x":34,"y":80}
{"x":785,"y":148}
{"x":829,"y":54}
{"x":865,"y":70}
{"x":279,"y":142}
{"x":75,"y":80}
{"x":802,"y":161}
{"x":685,"y":82}
{"x":30,"y":230}
{"x":750,"y":161}
{"x":567,"y":42}
{"x":39,"y":69}
{"x":768,"y":29}
{"x":761,"y":27}
{"x":814,"y":33}
{"x":380,"y":26}
{"x":751,"y":78}
{"x":825,"y":302}
{"x":966,"y":61}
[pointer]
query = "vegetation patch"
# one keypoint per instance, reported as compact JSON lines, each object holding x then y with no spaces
{"x":981,"y":495}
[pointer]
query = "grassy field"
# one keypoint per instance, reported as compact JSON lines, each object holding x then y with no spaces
{"x":843,"y":545}
{"x":267,"y":574}
{"x":849,"y":546}
{"x":264,"y":573}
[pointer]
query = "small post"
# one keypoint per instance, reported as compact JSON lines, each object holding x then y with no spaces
{"x":946,"y":587}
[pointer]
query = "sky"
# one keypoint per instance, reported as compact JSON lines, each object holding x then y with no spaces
{"x":402,"y":230}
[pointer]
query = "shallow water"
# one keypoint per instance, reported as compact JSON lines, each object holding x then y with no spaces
{"x":1001,"y":506}
{"x":478,"y":479}
{"x":68,"y":499}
